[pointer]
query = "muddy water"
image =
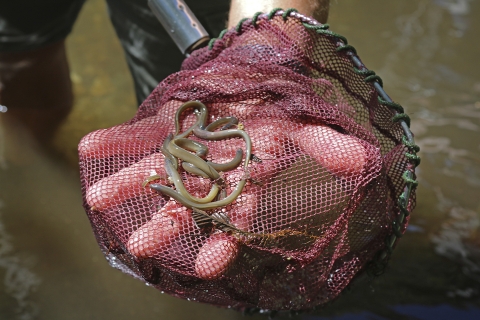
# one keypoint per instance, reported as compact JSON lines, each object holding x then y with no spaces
{"x":426,"y":51}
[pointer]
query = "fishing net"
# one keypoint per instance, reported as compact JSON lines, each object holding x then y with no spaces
{"x":267,"y":173}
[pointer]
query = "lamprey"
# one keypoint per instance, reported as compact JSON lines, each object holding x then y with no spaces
{"x":177,"y":181}
{"x":179,"y":148}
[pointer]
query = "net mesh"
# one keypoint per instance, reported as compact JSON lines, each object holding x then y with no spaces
{"x":321,"y":186}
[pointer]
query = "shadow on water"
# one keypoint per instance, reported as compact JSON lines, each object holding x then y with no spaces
{"x":50,"y":264}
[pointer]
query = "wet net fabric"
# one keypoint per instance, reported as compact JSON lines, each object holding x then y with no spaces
{"x":321,"y":187}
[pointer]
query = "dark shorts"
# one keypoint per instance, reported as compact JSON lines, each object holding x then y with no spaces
{"x":151,"y":54}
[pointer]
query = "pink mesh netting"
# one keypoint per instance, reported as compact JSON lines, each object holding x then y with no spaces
{"x":320,"y":186}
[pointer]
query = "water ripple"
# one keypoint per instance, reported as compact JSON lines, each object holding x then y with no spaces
{"x":19,"y":281}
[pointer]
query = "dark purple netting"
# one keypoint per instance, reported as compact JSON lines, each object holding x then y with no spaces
{"x":321,"y":189}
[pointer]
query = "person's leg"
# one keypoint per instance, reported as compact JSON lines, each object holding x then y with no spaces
{"x":34,"y":75}
{"x":151,"y":53}
{"x":36,"y":88}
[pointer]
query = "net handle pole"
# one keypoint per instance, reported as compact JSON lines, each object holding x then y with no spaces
{"x":180,"y":23}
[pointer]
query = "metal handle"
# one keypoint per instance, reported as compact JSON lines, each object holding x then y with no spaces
{"x":180,"y":22}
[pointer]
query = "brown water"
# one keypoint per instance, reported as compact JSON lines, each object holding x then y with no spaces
{"x":427,"y":54}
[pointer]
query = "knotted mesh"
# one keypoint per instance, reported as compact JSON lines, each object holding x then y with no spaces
{"x":309,"y":146}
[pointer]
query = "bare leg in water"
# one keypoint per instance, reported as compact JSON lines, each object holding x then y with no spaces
{"x":37,"y":90}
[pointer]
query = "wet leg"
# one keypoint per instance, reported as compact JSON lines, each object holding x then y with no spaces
{"x":36,"y":88}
